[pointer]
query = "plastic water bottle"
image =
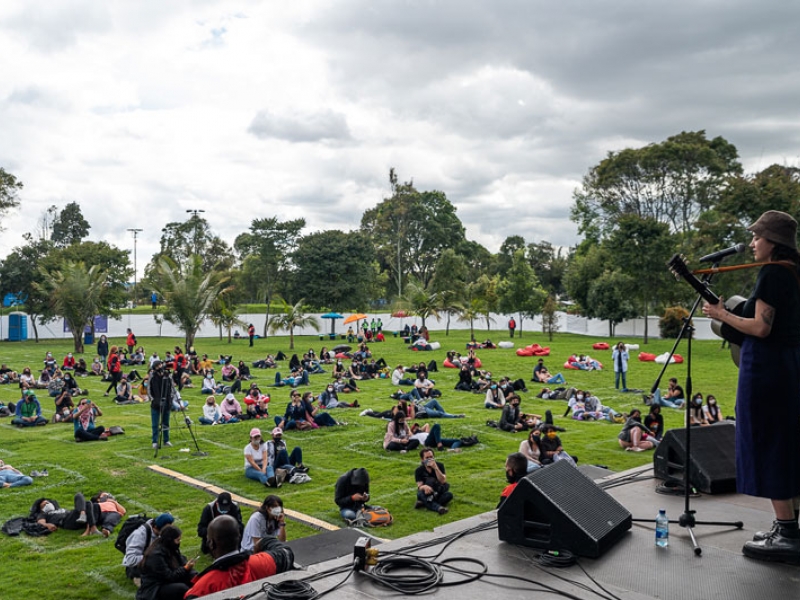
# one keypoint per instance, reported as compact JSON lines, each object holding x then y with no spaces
{"x":662,"y":529}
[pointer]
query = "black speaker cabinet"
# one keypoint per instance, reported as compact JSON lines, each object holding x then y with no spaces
{"x":712,"y":464}
{"x":560,"y":508}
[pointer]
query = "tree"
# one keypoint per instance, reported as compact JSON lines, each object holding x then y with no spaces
{"x":9,"y":190}
{"x":419,"y":301}
{"x":77,"y":294}
{"x":335,"y":270}
{"x":586,"y":267}
{"x":672,"y":182}
{"x":180,"y":241}
{"x":471,"y":311}
{"x":266,"y":251}
{"x":20,"y":274}
{"x":548,"y":265}
{"x":609,"y":299}
{"x":508,"y":248}
{"x":225,"y":317}
{"x":189,"y":293}
{"x":411,"y":229}
{"x":549,"y":317}
{"x":519,"y":291}
{"x":69,"y":226}
{"x":289,"y":317}
{"x":115,"y":262}
{"x":449,"y":281}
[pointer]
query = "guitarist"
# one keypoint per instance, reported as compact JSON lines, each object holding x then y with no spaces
{"x":768,"y":449}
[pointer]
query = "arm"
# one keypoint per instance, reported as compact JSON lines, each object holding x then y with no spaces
{"x":759,"y":326}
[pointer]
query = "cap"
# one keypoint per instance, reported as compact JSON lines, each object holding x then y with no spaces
{"x":163,"y":519}
{"x":777,"y":227}
{"x":277,"y":431}
{"x":224,"y":501}
{"x":254,"y":432}
{"x":30,"y":393}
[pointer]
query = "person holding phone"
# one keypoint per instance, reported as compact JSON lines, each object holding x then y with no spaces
{"x":166,"y":573}
{"x":433,"y":491}
{"x":267,"y":522}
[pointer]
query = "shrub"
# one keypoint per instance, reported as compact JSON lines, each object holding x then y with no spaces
{"x":670,"y":324}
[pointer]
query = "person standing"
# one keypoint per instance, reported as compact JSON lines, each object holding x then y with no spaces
{"x":620,"y":358}
{"x":160,"y":392}
{"x":768,"y":449}
{"x":102,"y":349}
{"x":130,"y":341}
{"x":154,"y":299}
{"x":512,"y":326}
{"x":114,"y":369}
{"x":251,"y":333}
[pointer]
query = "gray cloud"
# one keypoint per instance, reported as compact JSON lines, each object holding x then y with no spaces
{"x":324,"y":125}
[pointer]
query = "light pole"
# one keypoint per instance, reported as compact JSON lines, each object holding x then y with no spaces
{"x":195,"y":212}
{"x":135,"y":233}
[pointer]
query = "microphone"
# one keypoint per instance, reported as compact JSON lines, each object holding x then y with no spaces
{"x":719,"y":255}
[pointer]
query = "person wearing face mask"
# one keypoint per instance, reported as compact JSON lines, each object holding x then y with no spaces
{"x":516,"y":469}
{"x":352,"y":493}
{"x":166,"y":573}
{"x":330,"y":399}
{"x":712,"y":411}
{"x":139,"y":541}
{"x":232,"y":566}
{"x":494,"y":397}
{"x":68,"y":364}
{"x":48,"y":513}
{"x":636,"y":437}
{"x":268,"y":521}
{"x":551,"y":448}
{"x":654,"y":421}
{"x":296,"y":415}
{"x":577,"y":406}
{"x":279,"y":459}
{"x":398,"y":435}
{"x":433,"y":491}
{"x":230,"y":409}
{"x":425,"y":386}
{"x":696,"y":416}
{"x":222,"y":505}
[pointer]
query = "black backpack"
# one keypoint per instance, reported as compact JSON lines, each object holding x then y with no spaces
{"x":132,"y":524}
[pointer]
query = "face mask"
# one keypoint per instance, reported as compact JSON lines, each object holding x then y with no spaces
{"x":276,"y":511}
{"x":330,"y":389}
{"x":580,"y":396}
{"x":494,"y":387}
{"x":698,"y":401}
{"x":551,"y":434}
{"x":510,"y":478}
{"x":712,"y":402}
{"x":48,"y":507}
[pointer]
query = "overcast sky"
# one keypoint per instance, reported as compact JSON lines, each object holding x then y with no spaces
{"x":141,"y":109}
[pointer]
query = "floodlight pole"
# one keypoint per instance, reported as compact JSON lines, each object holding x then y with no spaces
{"x":135,"y":233}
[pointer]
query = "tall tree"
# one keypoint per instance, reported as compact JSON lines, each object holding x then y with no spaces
{"x":189,"y":293}
{"x":180,"y":241}
{"x":549,"y":265}
{"x":411,"y":229}
{"x":449,"y":281}
{"x":9,"y":192}
{"x":289,"y":317}
{"x":671,"y":182}
{"x":335,"y":270}
{"x":508,"y":248}
{"x":609,"y":299}
{"x":520,"y":291}
{"x":266,"y":251}
{"x":69,"y":226}
{"x":77,"y":294}
{"x":419,"y":301}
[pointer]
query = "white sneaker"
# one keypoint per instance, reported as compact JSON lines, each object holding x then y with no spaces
{"x":365,"y":412}
{"x":168,"y":444}
{"x":155,"y":445}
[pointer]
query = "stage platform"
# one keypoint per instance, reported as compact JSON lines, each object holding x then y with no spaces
{"x":634,"y":568}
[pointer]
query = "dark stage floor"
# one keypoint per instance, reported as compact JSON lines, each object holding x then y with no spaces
{"x":634,"y":568}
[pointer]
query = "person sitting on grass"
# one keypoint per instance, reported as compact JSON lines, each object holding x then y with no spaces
{"x":433,"y":491}
{"x":124,"y":391}
{"x":26,"y":380}
{"x":672,"y":398}
{"x":319,"y":417}
{"x":82,"y":517}
{"x":268,"y":522}
{"x":510,"y":419}
{"x":11,"y":477}
{"x":654,"y":421}
{"x":211,"y":413}
{"x":221,"y":505}
{"x":696,"y":416}
{"x":297,"y":415}
{"x":256,"y":403}
{"x":232,"y":566}
{"x":551,"y":448}
{"x":352,"y":493}
{"x":398,"y":435}
{"x":83,"y":422}
{"x":530,"y":449}
{"x":138,"y":541}
{"x":712,"y":411}
{"x":230,"y":409}
{"x":494,"y":397}
{"x":431,"y":437}
{"x":516,"y":468}
{"x":165,"y":571}
{"x":64,"y":407}
{"x":635,"y":437}
{"x":330,"y":399}
{"x":28,"y":412}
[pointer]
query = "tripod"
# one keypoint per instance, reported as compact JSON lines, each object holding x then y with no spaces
{"x":687,"y":519}
{"x":167,"y":395}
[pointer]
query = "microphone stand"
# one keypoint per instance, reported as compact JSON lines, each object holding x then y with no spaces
{"x":687,"y":519}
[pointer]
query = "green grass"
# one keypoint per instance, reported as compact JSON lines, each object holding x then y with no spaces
{"x":90,"y":568}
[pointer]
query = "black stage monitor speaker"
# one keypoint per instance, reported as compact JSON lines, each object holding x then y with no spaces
{"x":560,"y":508}
{"x":712,"y":464}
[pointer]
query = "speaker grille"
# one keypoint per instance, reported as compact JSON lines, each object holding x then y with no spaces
{"x":712,"y":464}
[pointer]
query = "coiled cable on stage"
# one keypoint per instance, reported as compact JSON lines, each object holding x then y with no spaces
{"x":418,"y":575}
{"x":559,"y":559}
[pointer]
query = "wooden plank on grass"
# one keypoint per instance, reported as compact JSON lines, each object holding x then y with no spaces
{"x":216,"y":491}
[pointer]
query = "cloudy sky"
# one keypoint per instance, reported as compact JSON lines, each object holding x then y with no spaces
{"x":141,"y":109}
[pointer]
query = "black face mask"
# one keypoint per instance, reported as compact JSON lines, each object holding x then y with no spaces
{"x":510,"y":477}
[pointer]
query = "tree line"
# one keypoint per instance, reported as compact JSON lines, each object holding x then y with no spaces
{"x":634,"y":209}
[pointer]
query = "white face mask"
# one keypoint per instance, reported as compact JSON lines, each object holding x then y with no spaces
{"x":276,"y":511}
{"x":580,"y":396}
{"x":48,"y":507}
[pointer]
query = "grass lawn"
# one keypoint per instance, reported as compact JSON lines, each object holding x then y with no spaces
{"x":84,"y":568}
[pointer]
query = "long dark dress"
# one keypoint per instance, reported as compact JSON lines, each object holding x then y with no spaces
{"x":768,"y":396}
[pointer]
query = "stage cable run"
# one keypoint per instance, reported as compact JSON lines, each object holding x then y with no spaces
{"x":410,"y":574}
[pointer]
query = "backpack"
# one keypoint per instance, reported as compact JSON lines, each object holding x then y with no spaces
{"x":373,"y":516}
{"x":132,"y":524}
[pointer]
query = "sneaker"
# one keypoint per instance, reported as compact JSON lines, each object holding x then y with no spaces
{"x":301,"y":469}
{"x":456,"y":450}
{"x":168,"y":444}
{"x":442,"y":510}
{"x":35,"y":474}
{"x":44,"y":473}
{"x":356,"y":404}
{"x":365,"y":412}
{"x":81,"y":518}
{"x":271,"y":482}
{"x":403,"y":451}
{"x":419,"y":504}
{"x":155,"y":445}
{"x":646,"y":399}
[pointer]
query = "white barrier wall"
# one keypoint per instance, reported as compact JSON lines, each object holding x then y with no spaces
{"x":146,"y":326}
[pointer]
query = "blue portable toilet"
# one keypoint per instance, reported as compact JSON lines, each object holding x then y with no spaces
{"x":17,"y":327}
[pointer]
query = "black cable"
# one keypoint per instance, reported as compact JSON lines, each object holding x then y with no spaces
{"x":424,"y":576}
{"x":559,"y":559}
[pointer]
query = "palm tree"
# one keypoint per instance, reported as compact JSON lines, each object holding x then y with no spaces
{"x":77,"y":294}
{"x":419,"y":301}
{"x":449,"y":302}
{"x":291,"y":316}
{"x":225,"y":317}
{"x":189,"y":293}
{"x":470,"y":313}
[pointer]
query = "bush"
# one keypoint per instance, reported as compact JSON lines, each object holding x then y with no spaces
{"x":670,"y":324}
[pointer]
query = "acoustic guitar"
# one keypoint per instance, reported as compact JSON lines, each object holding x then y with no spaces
{"x":735,"y":304}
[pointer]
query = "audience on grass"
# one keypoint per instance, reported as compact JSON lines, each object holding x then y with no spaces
{"x":221,"y":505}
{"x":139,"y":540}
{"x":28,"y":411}
{"x":398,"y":435}
{"x":48,"y":513}
{"x":635,"y":436}
{"x":433,"y":491}
{"x":551,"y":447}
{"x":696,"y":415}
{"x":267,"y":522}
{"x":654,"y":421}
{"x":712,"y":410}
{"x":166,"y":573}
{"x":352,"y":493}
{"x":11,"y":477}
{"x":83,"y":423}
{"x":108,"y":512}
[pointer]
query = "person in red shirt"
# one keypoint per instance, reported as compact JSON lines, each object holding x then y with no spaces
{"x":69,"y":363}
{"x":516,"y":469}
{"x":251,"y":333}
{"x":114,"y":369}
{"x":232,"y":567}
{"x":131,"y":341}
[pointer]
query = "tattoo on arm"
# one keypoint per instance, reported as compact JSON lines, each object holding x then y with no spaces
{"x":768,"y":316}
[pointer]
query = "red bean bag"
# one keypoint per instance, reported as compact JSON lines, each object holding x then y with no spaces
{"x":678,"y":358}
{"x":601,"y":346}
{"x":647,"y":357}
{"x":534,"y":350}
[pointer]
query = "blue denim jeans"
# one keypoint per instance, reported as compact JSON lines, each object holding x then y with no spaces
{"x":434,"y":410}
{"x":617,"y":375}
{"x":676,"y":403}
{"x":257,"y":475}
{"x":14,"y":479}
{"x":435,"y":438}
{"x":155,"y":419}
